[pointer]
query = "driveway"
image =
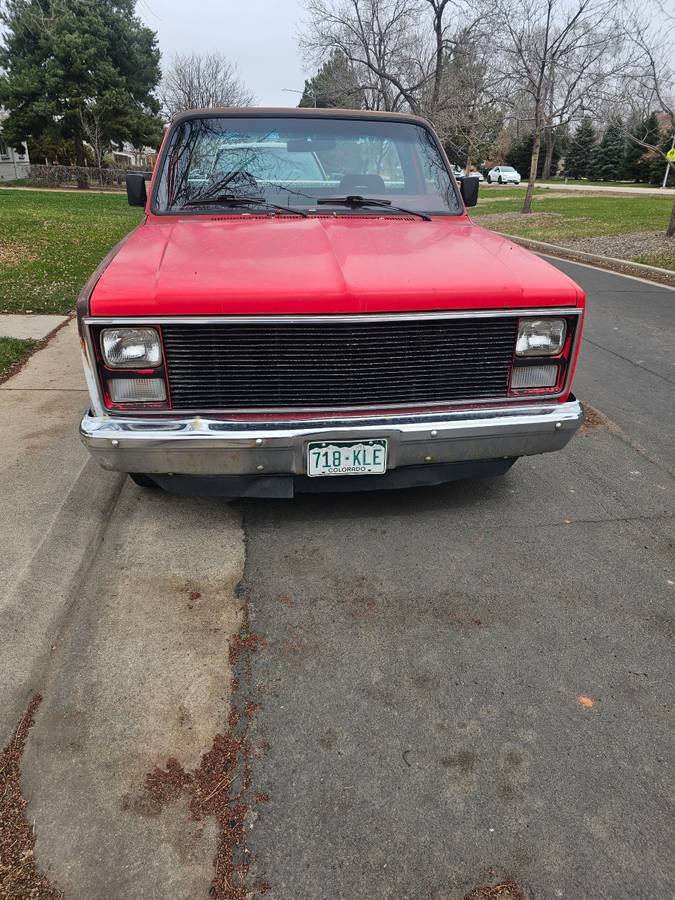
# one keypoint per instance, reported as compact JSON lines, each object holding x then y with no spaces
{"x":434,"y":690}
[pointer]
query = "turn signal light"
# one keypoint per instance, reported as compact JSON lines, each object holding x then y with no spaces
{"x":136,"y":390}
{"x":523,"y":377}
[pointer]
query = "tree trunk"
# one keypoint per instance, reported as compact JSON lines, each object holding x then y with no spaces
{"x":469,"y":157}
{"x":670,"y":230}
{"x":80,"y":159}
{"x":534,"y":162}
{"x":548,"y":159}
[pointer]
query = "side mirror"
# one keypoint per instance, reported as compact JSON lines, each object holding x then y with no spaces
{"x":468,"y":187}
{"x":136,"y":193}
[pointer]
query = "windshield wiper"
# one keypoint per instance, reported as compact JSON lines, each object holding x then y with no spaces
{"x":237,"y":200}
{"x":356,"y":201}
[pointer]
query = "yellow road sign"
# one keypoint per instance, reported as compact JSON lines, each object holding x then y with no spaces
{"x":670,"y":155}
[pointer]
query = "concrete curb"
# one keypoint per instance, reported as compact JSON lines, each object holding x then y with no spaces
{"x":45,"y":589}
{"x":620,"y":266}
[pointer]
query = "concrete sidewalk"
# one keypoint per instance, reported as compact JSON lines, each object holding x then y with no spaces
{"x":593,"y":188}
{"x":608,"y":189}
{"x":51,"y":516}
{"x":26,"y":325}
{"x":118,"y":606}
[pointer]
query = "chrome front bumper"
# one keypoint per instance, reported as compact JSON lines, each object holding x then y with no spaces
{"x":207,"y":446}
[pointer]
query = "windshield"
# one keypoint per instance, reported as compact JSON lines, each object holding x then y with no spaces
{"x":298,"y":161}
{"x":506,"y":169}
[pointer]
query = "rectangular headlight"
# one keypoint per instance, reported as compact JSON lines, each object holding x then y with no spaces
{"x":541,"y":337}
{"x":131,"y":348}
{"x":136,"y":390}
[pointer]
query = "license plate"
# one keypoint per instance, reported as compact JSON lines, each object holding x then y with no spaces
{"x":347,"y":457}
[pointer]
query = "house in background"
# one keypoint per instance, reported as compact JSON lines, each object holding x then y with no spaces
{"x":139,"y":158}
{"x":14,"y":164}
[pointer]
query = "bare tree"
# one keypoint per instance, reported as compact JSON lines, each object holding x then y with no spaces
{"x":93,"y":131}
{"x":377,"y":37}
{"x":650,"y":87}
{"x":401,"y":49}
{"x":464,"y":109}
{"x":201,"y":81}
{"x":560,"y":53}
{"x":430,"y":57}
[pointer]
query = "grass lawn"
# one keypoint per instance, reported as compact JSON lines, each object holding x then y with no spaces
{"x":11,"y":351}
{"x":663,"y":260}
{"x":579,"y":216}
{"x":51,"y":242}
{"x":563,"y":217}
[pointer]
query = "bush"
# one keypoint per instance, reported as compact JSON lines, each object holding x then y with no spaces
{"x":79,"y":176}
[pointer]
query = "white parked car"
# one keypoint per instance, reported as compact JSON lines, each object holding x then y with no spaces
{"x":503,"y":175}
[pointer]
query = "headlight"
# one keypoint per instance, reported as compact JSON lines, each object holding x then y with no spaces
{"x":131,"y":348}
{"x":541,"y":337}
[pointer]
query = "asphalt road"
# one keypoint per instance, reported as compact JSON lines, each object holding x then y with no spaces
{"x":452,"y":687}
{"x":471,"y":684}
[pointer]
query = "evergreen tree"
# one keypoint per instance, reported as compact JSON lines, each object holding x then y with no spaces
{"x":520,"y":155}
{"x":607,"y":157}
{"x":74,"y":71}
{"x":334,"y":86}
{"x":595,"y":160}
{"x":578,"y":158}
{"x":638,"y":161}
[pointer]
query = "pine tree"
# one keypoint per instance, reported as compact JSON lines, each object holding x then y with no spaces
{"x":520,"y":156}
{"x":578,"y":158}
{"x":334,"y":86}
{"x":71,"y":70}
{"x":638,"y":161}
{"x":607,"y":157}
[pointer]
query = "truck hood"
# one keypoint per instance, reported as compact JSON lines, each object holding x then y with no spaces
{"x":324,"y":264}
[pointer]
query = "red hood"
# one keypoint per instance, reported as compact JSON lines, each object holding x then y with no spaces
{"x":238,"y":265}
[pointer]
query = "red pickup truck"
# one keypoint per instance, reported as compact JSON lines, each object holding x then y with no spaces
{"x":307,"y":306}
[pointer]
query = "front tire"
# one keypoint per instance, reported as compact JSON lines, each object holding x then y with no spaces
{"x":500,"y":180}
{"x":143,"y":481}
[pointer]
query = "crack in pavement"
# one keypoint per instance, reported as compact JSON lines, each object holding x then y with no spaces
{"x":631,"y":362}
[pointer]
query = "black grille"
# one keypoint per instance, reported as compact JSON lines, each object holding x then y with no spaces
{"x":317,"y":365}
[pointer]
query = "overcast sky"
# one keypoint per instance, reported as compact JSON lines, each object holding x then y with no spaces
{"x":259,"y":35}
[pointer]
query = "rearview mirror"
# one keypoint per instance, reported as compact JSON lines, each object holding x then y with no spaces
{"x":136,"y":193}
{"x":468,"y":186}
{"x":305,"y":146}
